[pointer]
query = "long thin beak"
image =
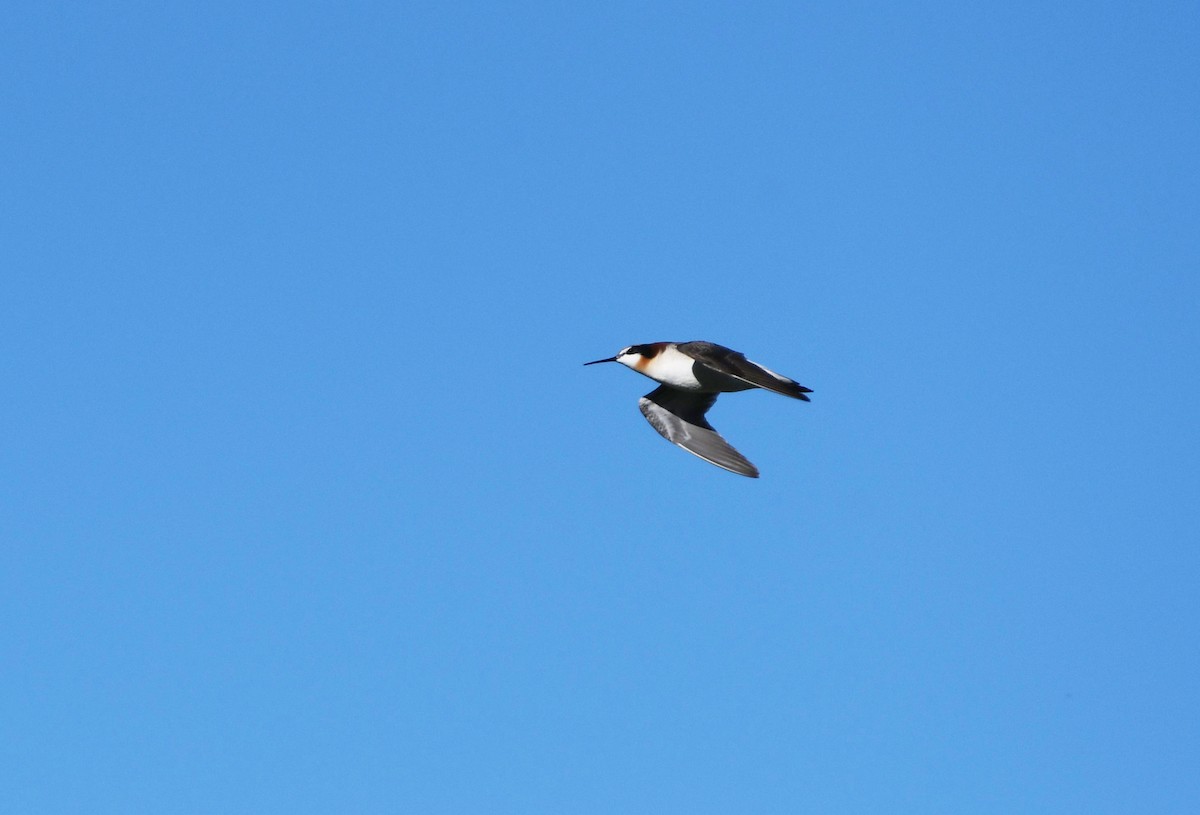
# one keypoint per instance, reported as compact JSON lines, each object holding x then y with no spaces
{"x":598,"y":361}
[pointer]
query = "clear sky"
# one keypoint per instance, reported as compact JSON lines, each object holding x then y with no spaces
{"x":309,"y":505}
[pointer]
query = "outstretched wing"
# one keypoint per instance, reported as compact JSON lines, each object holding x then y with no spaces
{"x":733,"y":363}
{"x":679,"y":416}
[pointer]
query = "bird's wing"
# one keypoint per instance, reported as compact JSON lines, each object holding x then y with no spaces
{"x":679,"y":416}
{"x":732,"y":363}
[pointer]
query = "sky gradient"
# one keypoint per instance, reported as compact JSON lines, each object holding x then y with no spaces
{"x":309,"y":505}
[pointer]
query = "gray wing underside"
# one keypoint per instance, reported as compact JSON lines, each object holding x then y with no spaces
{"x":679,"y":417}
{"x":733,"y":363}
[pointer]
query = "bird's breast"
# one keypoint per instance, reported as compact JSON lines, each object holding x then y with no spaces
{"x":672,"y":367}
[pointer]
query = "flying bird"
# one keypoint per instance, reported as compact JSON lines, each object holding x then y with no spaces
{"x":691,"y":375}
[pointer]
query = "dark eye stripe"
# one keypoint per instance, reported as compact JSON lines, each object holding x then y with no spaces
{"x":641,"y":350}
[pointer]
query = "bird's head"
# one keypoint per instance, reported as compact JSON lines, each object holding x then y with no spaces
{"x":633,"y":356}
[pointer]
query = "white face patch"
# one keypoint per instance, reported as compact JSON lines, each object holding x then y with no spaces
{"x":630,"y":360}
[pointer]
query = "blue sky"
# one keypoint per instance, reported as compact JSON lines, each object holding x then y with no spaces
{"x":310,"y":506}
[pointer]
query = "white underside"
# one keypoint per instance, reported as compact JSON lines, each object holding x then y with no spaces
{"x":673,"y":367}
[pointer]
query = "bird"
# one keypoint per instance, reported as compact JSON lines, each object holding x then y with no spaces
{"x":690,"y":376}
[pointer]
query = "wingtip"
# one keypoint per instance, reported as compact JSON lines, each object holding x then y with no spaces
{"x":743,"y":467}
{"x":752,"y":472}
